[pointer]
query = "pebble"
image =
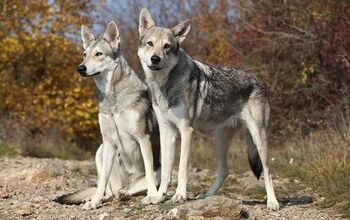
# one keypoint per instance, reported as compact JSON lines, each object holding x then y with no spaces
{"x":103,"y":216}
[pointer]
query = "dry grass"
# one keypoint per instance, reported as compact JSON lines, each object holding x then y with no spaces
{"x":15,"y":139}
{"x":321,"y":160}
{"x":203,"y":156}
{"x":324,"y":164}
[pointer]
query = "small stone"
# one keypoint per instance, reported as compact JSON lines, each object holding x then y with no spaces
{"x":26,"y":211}
{"x":127,"y":210}
{"x":174,"y":213}
{"x":103,"y":216}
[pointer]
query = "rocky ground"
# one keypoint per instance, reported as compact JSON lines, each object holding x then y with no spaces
{"x":29,"y":185}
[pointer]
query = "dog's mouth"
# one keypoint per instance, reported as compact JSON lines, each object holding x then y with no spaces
{"x":155,"y":68}
{"x":86,"y":75}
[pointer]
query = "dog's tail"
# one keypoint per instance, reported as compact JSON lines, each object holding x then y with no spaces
{"x":76,"y":198}
{"x":253,"y":156}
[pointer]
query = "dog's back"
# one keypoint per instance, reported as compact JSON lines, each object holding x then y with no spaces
{"x":227,"y":90}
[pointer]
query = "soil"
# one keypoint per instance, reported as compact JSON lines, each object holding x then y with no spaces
{"x":28,"y":187}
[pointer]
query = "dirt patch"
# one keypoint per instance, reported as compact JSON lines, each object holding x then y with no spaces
{"x":29,"y":185}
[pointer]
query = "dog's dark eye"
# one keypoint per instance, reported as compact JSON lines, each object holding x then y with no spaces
{"x":150,"y":43}
{"x":84,"y":54}
{"x":166,"y":46}
{"x":98,"y":54}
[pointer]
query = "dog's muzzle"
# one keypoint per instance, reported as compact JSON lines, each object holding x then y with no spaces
{"x":155,"y":67}
{"x":155,"y":59}
{"x":155,"y":63}
{"x":82,"y":70}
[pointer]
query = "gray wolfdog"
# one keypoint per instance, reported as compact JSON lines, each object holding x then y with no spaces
{"x":125,"y":162}
{"x":188,"y":95}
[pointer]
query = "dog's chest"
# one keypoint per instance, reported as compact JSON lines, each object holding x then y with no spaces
{"x":168,"y":104}
{"x":174,"y":114}
{"x":127,"y":120}
{"x":128,"y":147}
{"x":107,"y":103}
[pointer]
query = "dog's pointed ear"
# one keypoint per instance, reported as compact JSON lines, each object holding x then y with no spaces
{"x":181,"y":30}
{"x":145,"y":21}
{"x":111,"y":35}
{"x":87,"y":36}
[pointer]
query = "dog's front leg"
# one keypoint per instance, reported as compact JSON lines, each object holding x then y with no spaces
{"x":99,"y":163}
{"x":186,"y":139}
{"x":146,"y":150}
{"x":108,"y":153}
{"x":168,"y":135}
{"x":108,"y":130}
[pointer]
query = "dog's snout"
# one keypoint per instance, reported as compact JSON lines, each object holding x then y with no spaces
{"x":82,"y":69}
{"x":155,"y":59}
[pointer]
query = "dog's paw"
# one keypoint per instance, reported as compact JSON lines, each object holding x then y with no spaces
{"x":90,"y":205}
{"x":153,"y":199}
{"x":93,"y":203}
{"x":178,"y":198}
{"x":86,"y":200}
{"x":107,"y":197}
{"x":273,"y":205}
{"x":123,"y":194}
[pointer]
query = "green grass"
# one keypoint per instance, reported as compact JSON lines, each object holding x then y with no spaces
{"x":7,"y":150}
{"x":345,"y":209}
{"x":165,"y":207}
{"x":331,"y":175}
{"x":257,"y":192}
{"x":62,"y":151}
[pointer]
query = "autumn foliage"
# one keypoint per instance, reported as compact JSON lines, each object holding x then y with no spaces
{"x":300,"y":49}
{"x":39,"y":88}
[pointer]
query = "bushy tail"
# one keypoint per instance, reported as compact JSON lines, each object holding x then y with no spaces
{"x":253,"y":156}
{"x":76,"y":198}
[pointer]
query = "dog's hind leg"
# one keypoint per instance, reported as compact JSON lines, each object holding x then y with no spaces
{"x":115,"y":179}
{"x":139,"y":185}
{"x":255,"y":116}
{"x":115,"y":182}
{"x":222,"y":141}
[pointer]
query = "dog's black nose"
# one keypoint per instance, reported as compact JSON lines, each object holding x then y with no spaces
{"x":155,"y":59}
{"x":81,"y":69}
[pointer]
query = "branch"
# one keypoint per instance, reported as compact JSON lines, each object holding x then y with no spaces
{"x":280,"y":33}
